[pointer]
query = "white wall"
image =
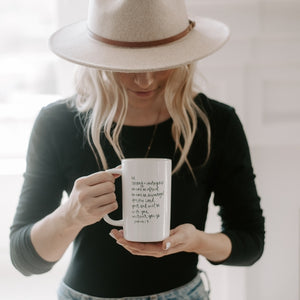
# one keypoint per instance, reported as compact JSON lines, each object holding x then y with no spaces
{"x":276,"y":276}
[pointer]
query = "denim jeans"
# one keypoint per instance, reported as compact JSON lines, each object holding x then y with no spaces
{"x":197,"y":289}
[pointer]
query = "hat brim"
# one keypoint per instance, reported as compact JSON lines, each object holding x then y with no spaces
{"x":74,"y":44}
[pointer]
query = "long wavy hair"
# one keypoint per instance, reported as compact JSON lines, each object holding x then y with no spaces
{"x":100,"y":95}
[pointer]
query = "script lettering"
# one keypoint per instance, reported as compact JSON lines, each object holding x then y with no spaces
{"x":146,"y":200}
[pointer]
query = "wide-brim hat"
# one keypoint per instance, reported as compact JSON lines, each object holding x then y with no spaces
{"x":138,"y":36}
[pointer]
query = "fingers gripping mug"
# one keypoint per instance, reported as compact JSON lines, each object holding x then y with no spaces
{"x":146,"y":199}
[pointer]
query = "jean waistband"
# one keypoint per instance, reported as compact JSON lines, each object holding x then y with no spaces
{"x":198,"y":288}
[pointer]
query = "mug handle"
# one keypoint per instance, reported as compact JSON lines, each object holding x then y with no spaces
{"x":106,"y":218}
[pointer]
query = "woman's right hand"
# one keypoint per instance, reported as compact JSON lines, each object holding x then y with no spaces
{"x":91,"y":198}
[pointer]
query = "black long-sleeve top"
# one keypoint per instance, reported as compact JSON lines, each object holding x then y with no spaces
{"x":58,"y":154}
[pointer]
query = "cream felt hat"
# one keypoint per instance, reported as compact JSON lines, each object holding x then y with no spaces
{"x":138,"y":36}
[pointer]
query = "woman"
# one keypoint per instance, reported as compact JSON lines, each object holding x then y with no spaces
{"x":136,"y":98}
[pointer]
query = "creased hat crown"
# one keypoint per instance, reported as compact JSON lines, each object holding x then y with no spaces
{"x":137,"y":20}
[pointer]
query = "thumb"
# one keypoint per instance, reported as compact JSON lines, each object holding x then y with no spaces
{"x":173,"y":240}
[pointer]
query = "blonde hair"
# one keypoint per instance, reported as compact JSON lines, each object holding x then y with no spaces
{"x":100,"y":95}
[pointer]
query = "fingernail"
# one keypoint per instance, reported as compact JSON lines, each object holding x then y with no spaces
{"x":168,"y":245}
{"x":112,"y":235}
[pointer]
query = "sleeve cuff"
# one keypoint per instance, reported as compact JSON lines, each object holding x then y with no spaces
{"x":245,"y":249}
{"x":24,"y":256}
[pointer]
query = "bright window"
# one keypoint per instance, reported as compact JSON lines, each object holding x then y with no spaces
{"x":27,"y":82}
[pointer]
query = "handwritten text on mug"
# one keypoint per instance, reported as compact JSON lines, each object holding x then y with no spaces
{"x":146,"y":199}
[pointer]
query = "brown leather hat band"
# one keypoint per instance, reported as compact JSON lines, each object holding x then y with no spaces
{"x":144,"y":44}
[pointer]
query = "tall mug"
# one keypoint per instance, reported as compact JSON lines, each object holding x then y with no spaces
{"x":146,"y":199}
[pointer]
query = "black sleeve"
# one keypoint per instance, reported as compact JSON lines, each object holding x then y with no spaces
{"x":235,"y":193}
{"x":40,"y":195}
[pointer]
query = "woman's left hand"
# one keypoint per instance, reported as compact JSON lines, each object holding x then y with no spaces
{"x":182,"y":238}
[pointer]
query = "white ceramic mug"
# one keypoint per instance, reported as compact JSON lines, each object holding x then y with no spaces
{"x":146,"y":199}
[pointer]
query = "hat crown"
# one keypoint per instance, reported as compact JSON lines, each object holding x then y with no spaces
{"x":137,"y":20}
